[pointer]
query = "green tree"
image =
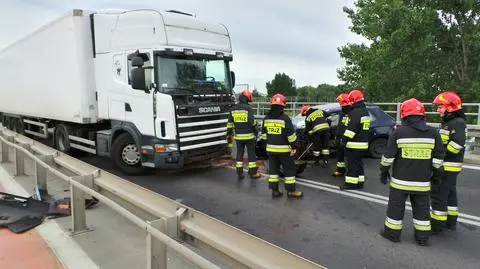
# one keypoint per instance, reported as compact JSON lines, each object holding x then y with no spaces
{"x":416,"y":49}
{"x":256,"y":93}
{"x":283,"y":84}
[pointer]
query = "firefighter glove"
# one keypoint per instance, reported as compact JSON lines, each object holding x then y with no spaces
{"x":437,"y":175}
{"x":384,"y":174}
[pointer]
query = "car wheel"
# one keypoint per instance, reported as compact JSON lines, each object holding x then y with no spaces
{"x":377,"y":147}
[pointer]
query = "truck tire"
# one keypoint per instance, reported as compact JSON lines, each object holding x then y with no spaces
{"x":60,"y":138}
{"x":126,"y":155}
{"x":377,"y":147}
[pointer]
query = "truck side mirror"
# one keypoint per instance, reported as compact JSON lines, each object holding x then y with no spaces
{"x":138,"y":75}
{"x":232,"y":76}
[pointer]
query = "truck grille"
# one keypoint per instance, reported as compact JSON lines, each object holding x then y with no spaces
{"x":206,"y":132}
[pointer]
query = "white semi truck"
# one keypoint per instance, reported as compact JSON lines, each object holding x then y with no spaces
{"x":147,"y":89}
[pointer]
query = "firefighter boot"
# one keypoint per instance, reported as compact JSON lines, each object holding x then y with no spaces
{"x":347,"y":186}
{"x":295,"y":194}
{"x":276,"y":193}
{"x":325,"y":161}
{"x":254,"y":174}
{"x":337,"y":174}
{"x":240,"y":175}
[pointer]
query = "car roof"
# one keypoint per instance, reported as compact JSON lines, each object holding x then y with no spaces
{"x":336,"y":107}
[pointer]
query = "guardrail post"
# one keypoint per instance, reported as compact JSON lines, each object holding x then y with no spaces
{"x":478,"y":115}
{"x":398,"y":113}
{"x":6,"y":148}
{"x":41,"y":172}
{"x":79,"y":220}
{"x":19,"y":160}
{"x":156,"y":250}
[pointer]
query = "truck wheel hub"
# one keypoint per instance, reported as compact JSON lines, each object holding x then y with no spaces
{"x":130,"y":154}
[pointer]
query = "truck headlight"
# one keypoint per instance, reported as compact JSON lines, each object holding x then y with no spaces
{"x":160,"y":148}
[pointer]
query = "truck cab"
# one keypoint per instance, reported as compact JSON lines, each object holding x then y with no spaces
{"x":164,"y":85}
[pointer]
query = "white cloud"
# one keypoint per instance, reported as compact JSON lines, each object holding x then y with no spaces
{"x":299,"y":38}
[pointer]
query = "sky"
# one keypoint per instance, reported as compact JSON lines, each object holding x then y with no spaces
{"x":299,"y":38}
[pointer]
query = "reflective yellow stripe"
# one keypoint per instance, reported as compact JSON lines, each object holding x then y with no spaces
{"x":452,"y":149}
{"x":230,"y":145}
{"x":351,"y":180}
{"x":452,"y":168}
{"x":452,"y":213}
{"x":357,"y":145}
{"x":230,"y":125}
{"x":341,"y":164}
{"x":248,"y":137}
{"x":409,"y":188}
{"x":274,"y":124}
{"x":416,"y":145}
{"x":326,"y":152}
{"x":361,"y":179}
{"x":290,"y":180}
{"x":320,"y":127}
{"x":277,"y":150}
{"x":239,"y":165}
{"x":349,"y":134}
{"x":252,"y":165}
{"x":393,"y":226}
{"x":292,"y":138}
{"x":438,"y":217}
{"x":422,"y":227}
{"x":273,"y":179}
{"x":316,"y":153}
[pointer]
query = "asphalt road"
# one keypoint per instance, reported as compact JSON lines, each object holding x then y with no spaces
{"x":326,"y":226}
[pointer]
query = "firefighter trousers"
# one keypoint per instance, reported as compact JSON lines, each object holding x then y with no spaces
{"x":396,"y":208}
{"x":355,"y":172}
{"x":445,"y":203}
{"x":320,"y":144}
{"x":341,"y":165}
{"x":252,"y":158}
{"x":289,"y":169}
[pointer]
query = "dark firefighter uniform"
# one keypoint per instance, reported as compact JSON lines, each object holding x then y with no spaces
{"x":317,"y":127}
{"x":415,"y":151}
{"x":241,"y":121}
{"x":343,"y":121}
{"x":453,"y":133}
{"x":355,"y":138}
{"x":281,"y":139}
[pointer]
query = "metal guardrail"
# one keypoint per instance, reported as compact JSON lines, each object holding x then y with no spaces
{"x":167,"y":223}
{"x":293,"y":109}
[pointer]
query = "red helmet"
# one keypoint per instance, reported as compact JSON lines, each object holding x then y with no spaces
{"x":450,"y":100}
{"x":279,"y":99}
{"x":248,"y":94}
{"x":412,"y":107}
{"x":343,"y":99}
{"x":305,"y":109}
{"x":355,"y":96}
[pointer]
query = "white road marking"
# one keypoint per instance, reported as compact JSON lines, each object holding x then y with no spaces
{"x":375,"y":198}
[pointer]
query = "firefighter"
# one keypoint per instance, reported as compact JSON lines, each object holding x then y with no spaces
{"x":241,"y":121}
{"x":452,"y":131}
{"x":341,"y":127}
{"x":317,"y":127}
{"x":355,"y":141}
{"x":415,"y":151}
{"x":281,"y":140}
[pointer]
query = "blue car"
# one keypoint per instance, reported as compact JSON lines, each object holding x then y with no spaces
{"x":380,"y":129}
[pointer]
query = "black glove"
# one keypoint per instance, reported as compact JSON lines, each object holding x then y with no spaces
{"x":384,"y":174}
{"x":437,"y":176}
{"x":343,"y":142}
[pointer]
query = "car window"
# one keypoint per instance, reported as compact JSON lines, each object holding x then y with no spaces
{"x":334,"y":117}
{"x":372,"y":116}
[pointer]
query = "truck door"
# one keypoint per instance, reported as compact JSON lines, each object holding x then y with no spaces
{"x":127,"y":104}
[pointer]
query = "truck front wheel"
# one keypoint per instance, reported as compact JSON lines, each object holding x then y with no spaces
{"x":126,"y":155}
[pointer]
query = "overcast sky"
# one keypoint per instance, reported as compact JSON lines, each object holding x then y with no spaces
{"x":299,"y":38}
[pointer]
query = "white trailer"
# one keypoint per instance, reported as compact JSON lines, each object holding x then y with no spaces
{"x":148,"y":89}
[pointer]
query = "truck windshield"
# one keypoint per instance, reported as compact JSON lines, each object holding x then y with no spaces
{"x":193,"y":76}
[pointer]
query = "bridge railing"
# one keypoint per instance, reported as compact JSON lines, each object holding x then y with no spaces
{"x":202,"y":240}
